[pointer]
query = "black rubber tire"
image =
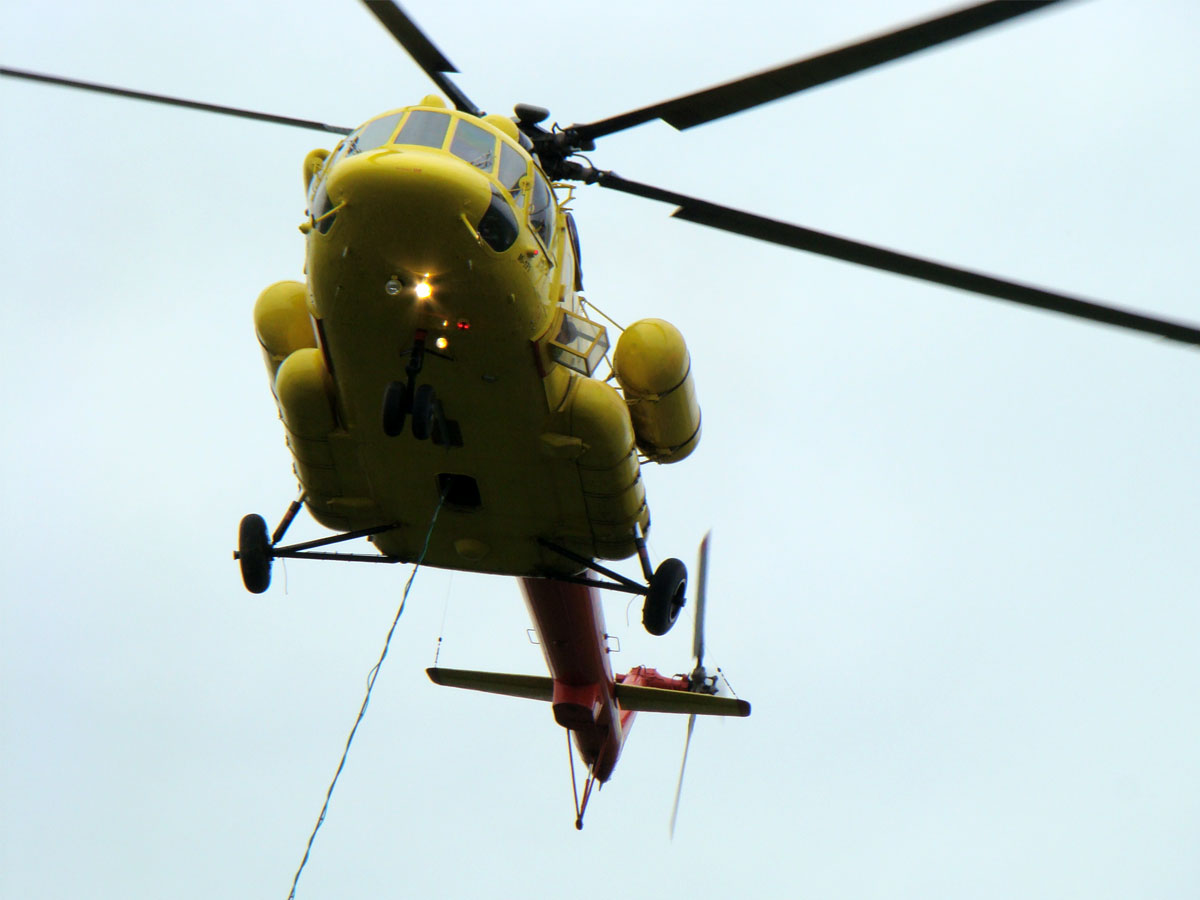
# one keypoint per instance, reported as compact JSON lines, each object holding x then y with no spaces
{"x":254,"y":553}
{"x":422,"y":412}
{"x":395,"y":408}
{"x":666,"y":596}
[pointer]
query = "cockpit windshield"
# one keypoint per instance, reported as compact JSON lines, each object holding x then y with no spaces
{"x":372,"y":135}
{"x":541,"y":209}
{"x":474,"y":145}
{"x":424,"y":128}
{"x":512,"y":170}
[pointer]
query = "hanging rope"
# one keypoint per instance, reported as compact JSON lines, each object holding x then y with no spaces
{"x":371,"y":676}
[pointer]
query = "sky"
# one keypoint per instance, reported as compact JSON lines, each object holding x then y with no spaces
{"x":954,"y":564}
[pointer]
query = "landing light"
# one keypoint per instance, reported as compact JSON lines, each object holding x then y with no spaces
{"x":423,"y":290}
{"x":441,"y":343}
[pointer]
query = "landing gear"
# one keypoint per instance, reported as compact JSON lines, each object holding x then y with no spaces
{"x":665,"y":596}
{"x":395,"y":408}
{"x":254,"y":553}
{"x":423,"y":410}
{"x":403,"y":397}
{"x":665,"y":588}
{"x":258,"y":548}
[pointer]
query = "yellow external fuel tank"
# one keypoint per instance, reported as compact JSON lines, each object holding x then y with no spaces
{"x":304,"y":391}
{"x":301,"y":383}
{"x":654,"y":370}
{"x":282,"y":323}
{"x":593,"y":414}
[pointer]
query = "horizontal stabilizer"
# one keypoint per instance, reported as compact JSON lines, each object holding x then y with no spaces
{"x":634,"y":698}
{"x":532,"y":687}
{"x":637,"y":698}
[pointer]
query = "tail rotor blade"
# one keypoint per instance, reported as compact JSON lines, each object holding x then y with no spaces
{"x":683,"y":765}
{"x":701,"y":598}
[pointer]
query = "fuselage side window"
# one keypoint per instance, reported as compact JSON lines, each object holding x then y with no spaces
{"x":541,"y":209}
{"x":318,"y":179}
{"x":373,"y":134}
{"x":343,"y":147}
{"x":573,"y":236}
{"x":424,"y":128}
{"x":474,"y":145}
{"x":318,"y":197}
{"x":512,"y":170}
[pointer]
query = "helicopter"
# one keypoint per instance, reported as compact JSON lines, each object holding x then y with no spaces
{"x":444,"y":287}
{"x":426,"y":394}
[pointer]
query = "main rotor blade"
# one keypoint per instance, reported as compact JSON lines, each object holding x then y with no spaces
{"x":422,"y":50}
{"x":702,"y":212}
{"x":174,"y":101}
{"x":773,"y":84}
{"x":682,"y":766}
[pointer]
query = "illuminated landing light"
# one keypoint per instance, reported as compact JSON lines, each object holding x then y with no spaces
{"x":423,"y":290}
{"x":441,"y":343}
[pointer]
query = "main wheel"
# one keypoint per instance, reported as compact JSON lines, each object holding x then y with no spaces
{"x":254,"y":553}
{"x":395,"y":408}
{"x":665,"y":598}
{"x":422,"y":412}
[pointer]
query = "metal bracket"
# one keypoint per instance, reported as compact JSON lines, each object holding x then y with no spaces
{"x":639,"y":538}
{"x":619,"y":582}
{"x":303,"y":551}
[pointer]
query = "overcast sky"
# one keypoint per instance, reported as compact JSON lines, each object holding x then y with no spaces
{"x":954,"y":540}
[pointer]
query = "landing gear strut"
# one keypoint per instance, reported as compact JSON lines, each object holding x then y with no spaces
{"x":665,"y":588}
{"x":258,"y":549}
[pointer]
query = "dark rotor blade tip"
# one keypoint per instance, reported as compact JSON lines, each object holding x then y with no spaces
{"x":741,"y":94}
{"x":702,"y":212}
{"x":422,"y":50}
{"x":173,"y":101}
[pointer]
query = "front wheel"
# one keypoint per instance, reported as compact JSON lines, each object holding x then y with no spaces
{"x":665,"y":598}
{"x":422,"y":412}
{"x":395,"y":408}
{"x":254,"y":553}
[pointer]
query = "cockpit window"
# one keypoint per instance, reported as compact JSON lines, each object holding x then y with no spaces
{"x":319,"y":204}
{"x":499,"y":226}
{"x":424,"y":128}
{"x":318,"y":181}
{"x":372,"y":135}
{"x":541,"y":209}
{"x":475,"y":145}
{"x":512,"y":170}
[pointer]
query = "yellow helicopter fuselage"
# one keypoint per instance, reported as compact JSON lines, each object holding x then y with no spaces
{"x":433,"y":229}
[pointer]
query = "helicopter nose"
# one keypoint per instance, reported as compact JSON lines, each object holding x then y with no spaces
{"x":412,"y":201}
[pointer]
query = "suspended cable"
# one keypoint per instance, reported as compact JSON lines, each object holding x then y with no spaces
{"x":371,"y":676}
{"x":445,"y":612}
